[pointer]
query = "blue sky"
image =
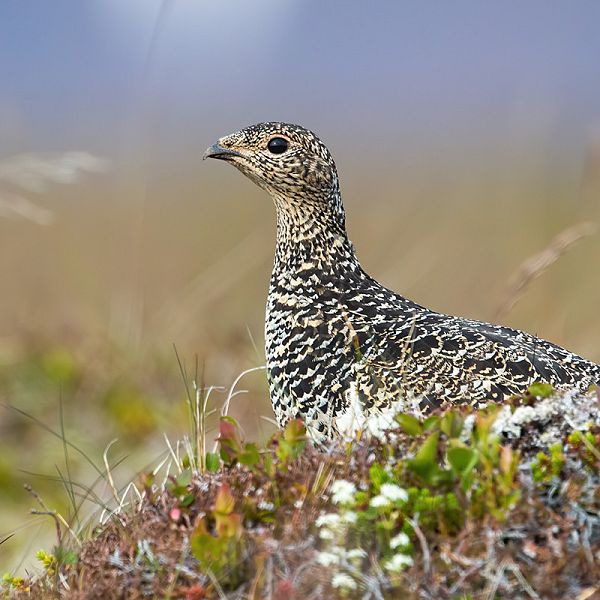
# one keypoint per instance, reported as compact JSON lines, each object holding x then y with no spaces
{"x":86,"y":73}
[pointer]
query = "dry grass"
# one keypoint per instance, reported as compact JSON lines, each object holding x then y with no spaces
{"x":535,"y":266}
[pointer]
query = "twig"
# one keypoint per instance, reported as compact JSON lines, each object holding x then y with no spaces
{"x":424,"y":545}
{"x":464,"y":576}
{"x":58,"y":518}
{"x":216,"y":584}
{"x":509,"y":565}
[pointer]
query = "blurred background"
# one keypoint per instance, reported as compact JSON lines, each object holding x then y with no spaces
{"x":467,"y":137}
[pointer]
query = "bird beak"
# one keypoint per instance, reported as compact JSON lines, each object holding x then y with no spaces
{"x":216,"y":151}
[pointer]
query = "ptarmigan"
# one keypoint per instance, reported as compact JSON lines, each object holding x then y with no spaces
{"x":335,"y":336}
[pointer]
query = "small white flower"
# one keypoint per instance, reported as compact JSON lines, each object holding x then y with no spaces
{"x":342,"y":491}
{"x":398,"y":562}
{"x":380,"y":501}
{"x":343,"y":580}
{"x":356,"y":553}
{"x":327,"y":559}
{"x":349,"y":517}
{"x":399,"y":540}
{"x":326,"y":534}
{"x":267,"y":506}
{"x":393,"y":492}
{"x":328,"y":520}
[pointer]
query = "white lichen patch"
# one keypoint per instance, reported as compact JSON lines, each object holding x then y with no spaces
{"x":558,"y":415}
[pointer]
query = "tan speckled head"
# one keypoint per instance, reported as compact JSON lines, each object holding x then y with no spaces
{"x":286,"y":160}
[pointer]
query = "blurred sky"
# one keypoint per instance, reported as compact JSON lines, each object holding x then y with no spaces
{"x":401,"y":74}
{"x":420,"y":102}
{"x":439,"y":111}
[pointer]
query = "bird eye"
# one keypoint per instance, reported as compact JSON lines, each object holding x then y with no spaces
{"x":277,"y":145}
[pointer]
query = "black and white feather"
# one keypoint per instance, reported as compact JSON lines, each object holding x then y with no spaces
{"x":335,"y":336}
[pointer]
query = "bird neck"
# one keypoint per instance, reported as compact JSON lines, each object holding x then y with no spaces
{"x":311,"y":231}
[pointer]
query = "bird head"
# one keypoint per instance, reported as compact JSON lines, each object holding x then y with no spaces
{"x":288,"y":161}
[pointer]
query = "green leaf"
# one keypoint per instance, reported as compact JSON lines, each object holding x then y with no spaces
{"x":69,"y":558}
{"x":268,"y":464}
{"x":295,"y":431}
{"x":428,"y":451}
{"x":229,"y":439}
{"x":452,"y":424}
{"x":178,"y":486}
{"x":208,"y":550}
{"x":225,"y":502}
{"x":187,"y":500}
{"x":462,"y":460}
{"x":249,"y":456}
{"x":424,"y":463}
{"x":293,"y":442}
{"x":409,"y":424}
{"x":430,"y":423}
{"x":540,"y":390}
{"x":378,"y":476}
{"x":184,"y":478}
{"x":229,"y":526}
{"x":291,"y":445}
{"x":213,"y":462}
{"x":283,"y":451}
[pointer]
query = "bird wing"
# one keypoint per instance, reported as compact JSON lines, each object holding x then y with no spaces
{"x":447,"y":359}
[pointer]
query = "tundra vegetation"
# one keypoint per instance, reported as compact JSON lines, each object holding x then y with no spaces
{"x":502,"y":502}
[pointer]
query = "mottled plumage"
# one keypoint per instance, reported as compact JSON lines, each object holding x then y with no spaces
{"x":334,"y":334}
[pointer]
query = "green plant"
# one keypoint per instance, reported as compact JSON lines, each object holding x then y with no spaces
{"x":546,"y":467}
{"x":216,"y":542}
{"x":10,"y":582}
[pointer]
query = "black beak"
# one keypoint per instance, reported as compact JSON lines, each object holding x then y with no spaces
{"x":216,"y":151}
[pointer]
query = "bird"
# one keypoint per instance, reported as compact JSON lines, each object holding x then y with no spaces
{"x":336,"y":340}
